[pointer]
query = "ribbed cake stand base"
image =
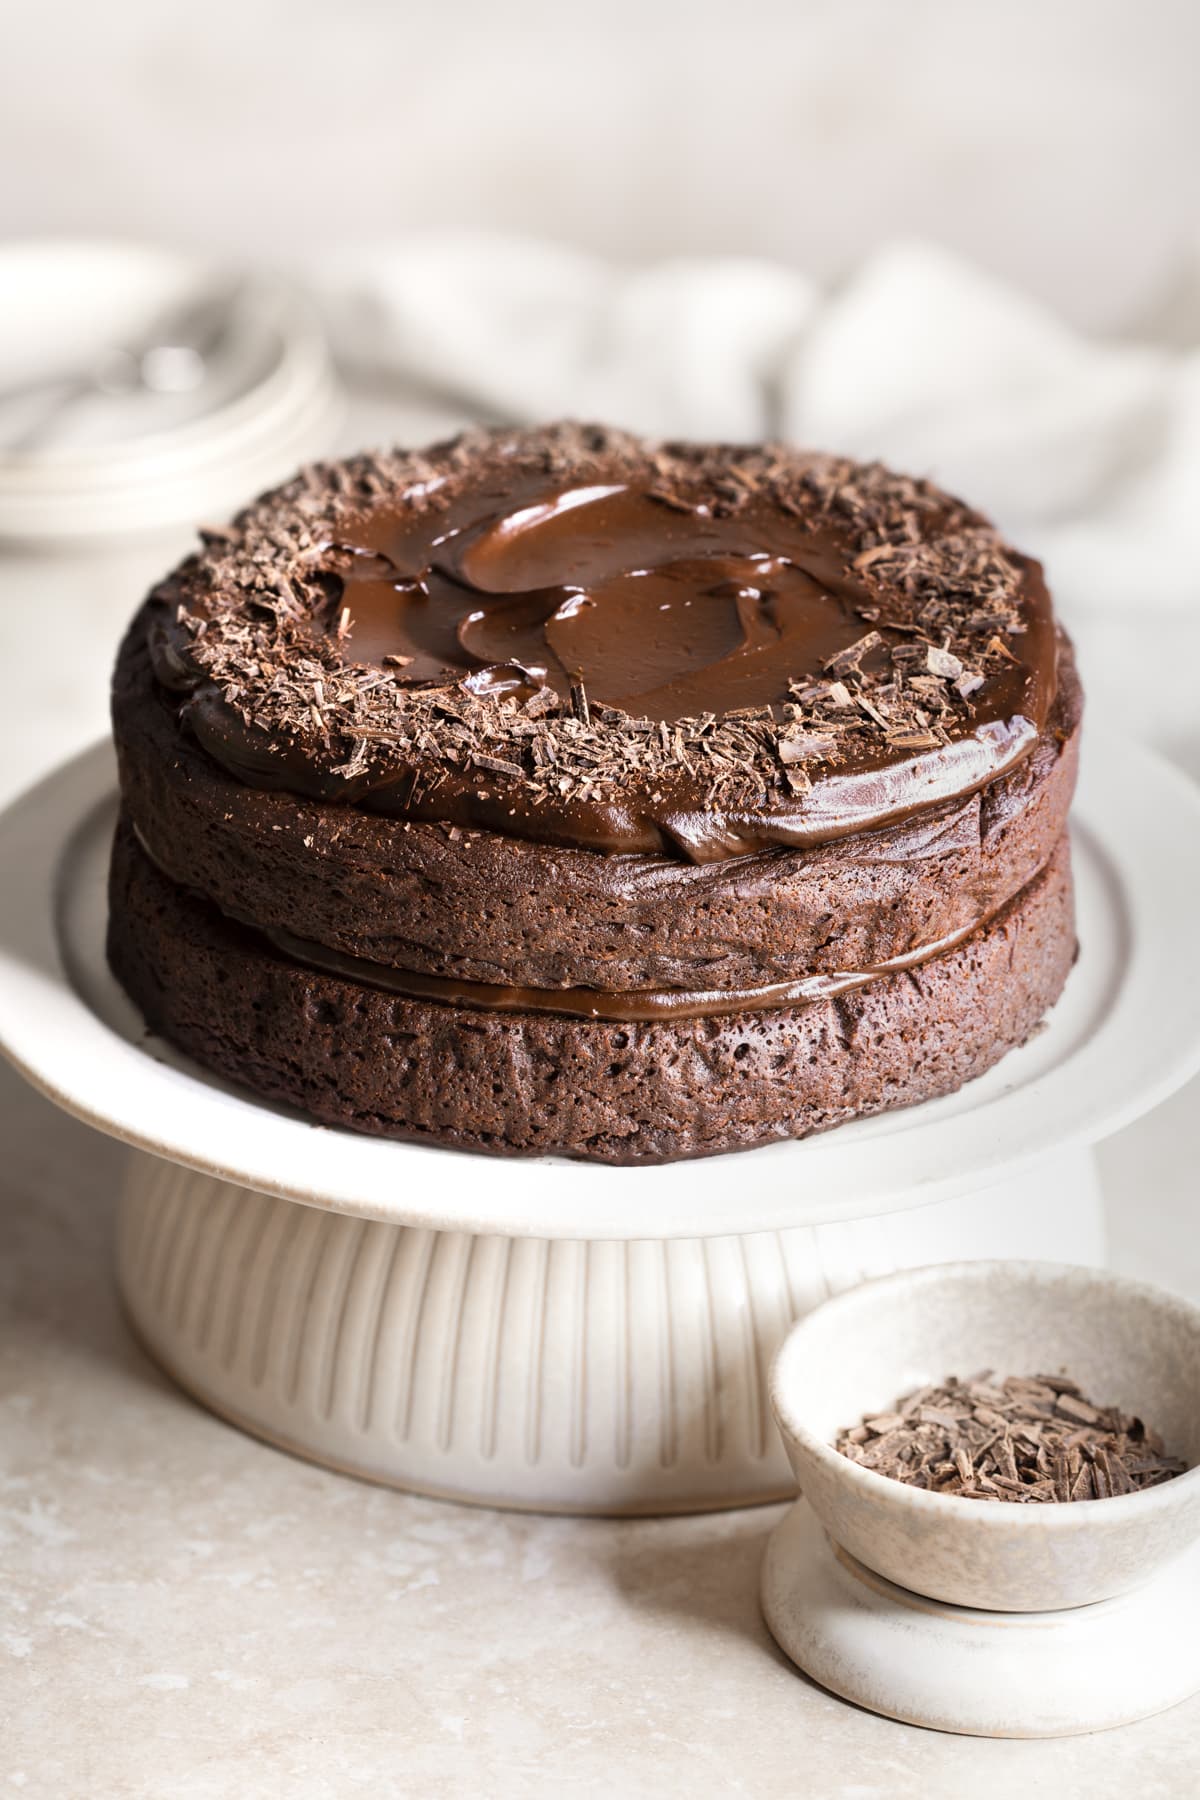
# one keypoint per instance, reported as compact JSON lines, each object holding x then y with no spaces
{"x":565,"y":1375}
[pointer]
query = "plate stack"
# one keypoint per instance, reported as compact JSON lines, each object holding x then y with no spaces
{"x":142,"y":390}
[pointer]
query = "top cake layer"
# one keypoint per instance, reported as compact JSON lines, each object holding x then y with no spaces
{"x":575,"y":637}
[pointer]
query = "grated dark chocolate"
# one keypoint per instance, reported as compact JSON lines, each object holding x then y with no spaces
{"x":257,"y":618}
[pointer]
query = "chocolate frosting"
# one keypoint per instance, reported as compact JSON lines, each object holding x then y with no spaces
{"x":633,"y":1006}
{"x":578,"y":638}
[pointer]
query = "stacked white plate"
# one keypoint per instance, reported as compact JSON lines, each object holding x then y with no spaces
{"x":82,"y":460}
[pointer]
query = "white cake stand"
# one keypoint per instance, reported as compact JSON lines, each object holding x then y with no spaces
{"x":557,"y":1335}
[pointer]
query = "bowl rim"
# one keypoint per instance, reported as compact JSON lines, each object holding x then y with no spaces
{"x":1075,"y":1516}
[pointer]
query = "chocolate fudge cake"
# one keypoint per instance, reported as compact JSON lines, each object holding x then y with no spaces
{"x":555,"y":791}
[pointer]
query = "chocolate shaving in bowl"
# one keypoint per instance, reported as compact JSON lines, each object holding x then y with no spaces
{"x":1028,"y":1438}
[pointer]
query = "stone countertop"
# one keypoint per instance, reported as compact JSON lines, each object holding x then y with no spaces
{"x":188,"y":1614}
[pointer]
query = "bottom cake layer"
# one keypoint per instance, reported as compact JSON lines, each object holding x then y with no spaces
{"x":535,"y":1083}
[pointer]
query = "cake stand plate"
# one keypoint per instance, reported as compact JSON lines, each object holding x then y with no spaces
{"x":984,"y":1674}
{"x":1123,"y":1036}
{"x":551,"y":1334}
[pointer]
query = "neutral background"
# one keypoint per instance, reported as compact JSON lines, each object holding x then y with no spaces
{"x":1055,"y":141}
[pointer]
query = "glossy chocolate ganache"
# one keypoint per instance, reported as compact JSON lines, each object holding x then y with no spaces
{"x":573,"y":637}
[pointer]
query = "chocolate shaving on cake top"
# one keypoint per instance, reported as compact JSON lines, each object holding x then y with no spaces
{"x":951,"y":632}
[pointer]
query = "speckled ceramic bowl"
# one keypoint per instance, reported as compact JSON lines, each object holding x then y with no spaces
{"x":1128,"y":1345}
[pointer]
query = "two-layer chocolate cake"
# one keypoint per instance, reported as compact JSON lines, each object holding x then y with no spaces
{"x":555,"y":791}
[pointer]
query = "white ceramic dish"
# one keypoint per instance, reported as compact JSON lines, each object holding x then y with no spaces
{"x":131,"y":466}
{"x":1124,"y":1035}
{"x":1127,"y":1344}
{"x":985,"y":1674}
{"x":1000,"y":1620}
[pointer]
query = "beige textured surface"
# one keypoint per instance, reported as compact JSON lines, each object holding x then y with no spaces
{"x":185,"y":1613}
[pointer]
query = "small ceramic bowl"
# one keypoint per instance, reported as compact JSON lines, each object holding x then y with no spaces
{"x":1127,"y":1344}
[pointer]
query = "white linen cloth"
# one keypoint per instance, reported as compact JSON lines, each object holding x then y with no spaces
{"x":1087,"y":453}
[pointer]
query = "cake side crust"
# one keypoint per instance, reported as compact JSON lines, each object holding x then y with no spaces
{"x":478,"y":906}
{"x":524,"y":1084}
